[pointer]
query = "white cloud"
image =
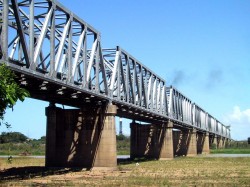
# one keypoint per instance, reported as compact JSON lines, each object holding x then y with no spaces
{"x":240,"y":123}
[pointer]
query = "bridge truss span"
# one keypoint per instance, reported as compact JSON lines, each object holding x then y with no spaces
{"x":59,"y":58}
{"x":133,"y":83}
{"x":179,"y":106}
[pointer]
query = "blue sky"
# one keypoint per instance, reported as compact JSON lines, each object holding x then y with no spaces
{"x":200,"y":47}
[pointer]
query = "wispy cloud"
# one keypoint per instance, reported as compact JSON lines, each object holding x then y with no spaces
{"x":214,"y":78}
{"x":240,"y":123}
{"x":179,"y":77}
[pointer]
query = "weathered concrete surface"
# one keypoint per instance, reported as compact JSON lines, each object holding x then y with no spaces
{"x":167,"y":149}
{"x":192,"y":146}
{"x":202,"y":143}
{"x":81,"y":137}
{"x":151,"y":141}
{"x":143,"y":141}
{"x":181,"y":140}
{"x":206,"y":149}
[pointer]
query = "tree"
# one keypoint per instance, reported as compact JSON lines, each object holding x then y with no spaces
{"x":12,"y":137}
{"x":10,"y":91}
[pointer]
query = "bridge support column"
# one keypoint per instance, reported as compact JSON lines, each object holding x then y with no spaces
{"x":200,"y":142}
{"x":143,"y":141}
{"x":133,"y":140}
{"x":206,"y":149}
{"x":167,"y":149}
{"x":203,"y":143}
{"x":151,"y":141}
{"x":192,"y":145}
{"x":81,"y":137}
{"x":227,"y":142}
{"x":180,"y":142}
{"x":106,"y":153}
{"x":219,"y":142}
{"x":214,"y":142}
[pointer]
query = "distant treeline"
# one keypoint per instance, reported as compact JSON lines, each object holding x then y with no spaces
{"x":17,"y":137}
{"x":237,"y":145}
{"x":16,"y":143}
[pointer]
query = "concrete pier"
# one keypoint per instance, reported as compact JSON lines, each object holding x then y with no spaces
{"x":221,"y":142}
{"x":203,"y":143}
{"x":192,"y":146}
{"x":214,"y":141}
{"x":206,"y":146}
{"x":167,"y":148}
{"x":83,"y":137}
{"x":181,"y":139}
{"x":143,"y":141}
{"x":153,"y":141}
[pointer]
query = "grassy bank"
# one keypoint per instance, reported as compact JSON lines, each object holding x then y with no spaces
{"x":183,"y":171}
{"x":38,"y":148}
{"x":230,"y":151}
{"x":30,"y":148}
{"x":123,"y":147}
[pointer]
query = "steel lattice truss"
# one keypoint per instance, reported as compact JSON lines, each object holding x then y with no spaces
{"x":56,"y":51}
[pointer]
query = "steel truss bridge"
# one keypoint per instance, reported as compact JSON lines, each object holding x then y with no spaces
{"x":58,"y":57}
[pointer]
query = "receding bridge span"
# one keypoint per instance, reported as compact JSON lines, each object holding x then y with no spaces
{"x":58,"y":57}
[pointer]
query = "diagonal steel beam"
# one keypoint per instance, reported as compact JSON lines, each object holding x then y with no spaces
{"x":78,"y":51}
{"x":42,"y":36}
{"x":62,"y":43}
{"x":21,"y":32}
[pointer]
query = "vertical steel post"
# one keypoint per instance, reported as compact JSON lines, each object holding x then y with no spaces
{"x":31,"y":32}
{"x":4,"y":34}
{"x":52,"y":41}
{"x":69,"y":59}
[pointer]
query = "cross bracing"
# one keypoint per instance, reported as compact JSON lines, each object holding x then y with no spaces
{"x":58,"y":57}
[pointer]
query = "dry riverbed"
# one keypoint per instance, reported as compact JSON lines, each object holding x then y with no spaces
{"x":197,"y":171}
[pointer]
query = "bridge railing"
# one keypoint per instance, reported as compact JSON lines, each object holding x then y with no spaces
{"x":199,"y":117}
{"x":211,"y":121}
{"x":216,"y":127}
{"x":181,"y":109}
{"x":133,"y":83}
{"x":179,"y":106}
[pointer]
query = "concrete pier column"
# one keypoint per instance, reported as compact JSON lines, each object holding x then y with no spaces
{"x":167,"y":148}
{"x":227,"y":142}
{"x":83,"y":137}
{"x":206,"y":149}
{"x":215,"y":142}
{"x":200,"y":142}
{"x":192,"y":145}
{"x":203,"y":143}
{"x":181,"y":140}
{"x":50,"y":150}
{"x":144,"y":141}
{"x":133,"y":140}
{"x":224,"y":143}
{"x":106,"y":155}
{"x":219,"y":142}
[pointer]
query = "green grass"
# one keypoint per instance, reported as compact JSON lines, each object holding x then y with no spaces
{"x":123,"y":148}
{"x":20,"y":148}
{"x":37,"y":148}
{"x":230,"y":151}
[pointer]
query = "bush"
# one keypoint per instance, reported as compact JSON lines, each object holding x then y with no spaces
{"x":12,"y":137}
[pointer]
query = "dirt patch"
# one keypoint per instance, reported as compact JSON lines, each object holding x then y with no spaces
{"x":177,"y":172}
